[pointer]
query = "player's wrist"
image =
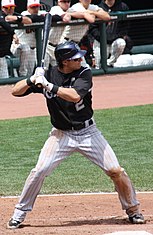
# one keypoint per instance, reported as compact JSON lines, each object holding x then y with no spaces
{"x":19,"y":19}
{"x":52,"y":88}
{"x":55,"y":89}
{"x":30,"y":81}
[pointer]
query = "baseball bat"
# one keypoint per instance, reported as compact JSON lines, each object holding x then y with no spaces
{"x":46,"y":30}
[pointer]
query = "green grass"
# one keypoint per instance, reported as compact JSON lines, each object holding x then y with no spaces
{"x":128,"y":130}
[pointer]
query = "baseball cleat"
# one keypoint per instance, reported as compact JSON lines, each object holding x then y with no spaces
{"x":137,"y":219}
{"x":13,"y":224}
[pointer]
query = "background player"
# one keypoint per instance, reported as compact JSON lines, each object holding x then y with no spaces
{"x":67,"y":90}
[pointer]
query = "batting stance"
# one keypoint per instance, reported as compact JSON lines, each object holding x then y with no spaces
{"x":67,"y":89}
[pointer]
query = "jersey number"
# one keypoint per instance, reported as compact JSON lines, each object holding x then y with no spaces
{"x":79,"y":105}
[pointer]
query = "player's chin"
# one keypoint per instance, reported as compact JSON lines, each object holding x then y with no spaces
{"x":78,"y":65}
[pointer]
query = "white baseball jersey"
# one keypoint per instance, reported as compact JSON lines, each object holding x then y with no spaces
{"x":27,"y":36}
{"x":26,"y":49}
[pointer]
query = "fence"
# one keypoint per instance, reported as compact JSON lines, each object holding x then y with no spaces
{"x":141,"y":32}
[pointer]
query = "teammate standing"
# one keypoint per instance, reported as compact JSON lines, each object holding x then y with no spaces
{"x":26,"y":48}
{"x":67,"y":90}
{"x":7,"y":34}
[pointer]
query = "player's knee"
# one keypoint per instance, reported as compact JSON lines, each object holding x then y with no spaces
{"x":38,"y":173}
{"x":115,"y":173}
{"x":120,"y":42}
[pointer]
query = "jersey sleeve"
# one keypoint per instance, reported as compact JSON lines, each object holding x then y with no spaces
{"x":83,"y":83}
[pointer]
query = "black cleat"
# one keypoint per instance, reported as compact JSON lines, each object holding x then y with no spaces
{"x":137,"y":219}
{"x":13,"y":224}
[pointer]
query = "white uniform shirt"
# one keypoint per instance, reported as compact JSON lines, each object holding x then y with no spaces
{"x":27,"y":36}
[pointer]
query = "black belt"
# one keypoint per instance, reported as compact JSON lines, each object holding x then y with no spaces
{"x":82,"y":125}
{"x":51,"y":44}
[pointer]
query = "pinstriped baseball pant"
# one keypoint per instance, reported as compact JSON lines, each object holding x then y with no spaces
{"x":3,"y":68}
{"x":90,"y":143}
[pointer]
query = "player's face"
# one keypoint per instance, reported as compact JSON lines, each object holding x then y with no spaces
{"x":85,"y":3}
{"x":72,"y":65}
{"x":33,"y":10}
{"x":8,"y":10}
{"x":64,"y":4}
{"x":110,"y":3}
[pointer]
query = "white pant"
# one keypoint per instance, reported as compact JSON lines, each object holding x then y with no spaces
{"x":114,"y":50}
{"x":3,"y":68}
{"x":90,"y":143}
{"x":27,"y":58}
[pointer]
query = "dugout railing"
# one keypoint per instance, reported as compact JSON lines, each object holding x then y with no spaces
{"x":141,"y":32}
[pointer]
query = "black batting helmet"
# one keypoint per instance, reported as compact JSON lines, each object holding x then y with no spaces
{"x":68,"y":50}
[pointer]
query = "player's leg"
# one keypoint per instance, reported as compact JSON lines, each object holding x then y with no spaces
{"x":95,"y":147}
{"x":32,"y":59}
{"x":3,"y":68}
{"x":117,"y":49}
{"x":96,"y":49}
{"x":57,"y":147}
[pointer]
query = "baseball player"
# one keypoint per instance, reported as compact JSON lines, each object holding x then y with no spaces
{"x":26,"y":48}
{"x":118,"y":41}
{"x":67,"y":88}
{"x":7,"y":34}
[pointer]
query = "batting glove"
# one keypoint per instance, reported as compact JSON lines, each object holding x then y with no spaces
{"x":38,"y":72}
{"x":42,"y":81}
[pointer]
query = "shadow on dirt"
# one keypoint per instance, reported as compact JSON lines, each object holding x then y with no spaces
{"x":107,"y":221}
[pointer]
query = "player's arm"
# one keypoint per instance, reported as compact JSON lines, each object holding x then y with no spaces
{"x":101,"y":14}
{"x":20,"y":88}
{"x":18,"y":19}
{"x":82,"y":15}
{"x":72,"y":94}
{"x":68,"y":94}
{"x":26,"y":86}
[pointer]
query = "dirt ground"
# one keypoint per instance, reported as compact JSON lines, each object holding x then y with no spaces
{"x":94,"y":214}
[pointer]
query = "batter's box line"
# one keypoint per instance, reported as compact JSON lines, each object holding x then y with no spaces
{"x":77,"y":194}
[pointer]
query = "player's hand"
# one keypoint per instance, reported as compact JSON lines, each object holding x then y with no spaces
{"x":89,"y":17}
{"x":67,"y":17}
{"x":39,"y":72}
{"x":15,"y":39}
{"x":42,"y":81}
{"x":31,"y":80}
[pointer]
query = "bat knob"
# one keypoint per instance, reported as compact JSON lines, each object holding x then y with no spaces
{"x":39,"y":85}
